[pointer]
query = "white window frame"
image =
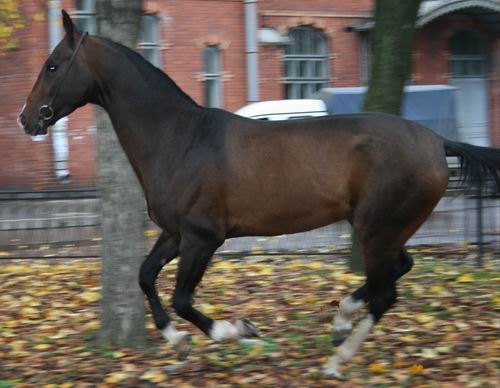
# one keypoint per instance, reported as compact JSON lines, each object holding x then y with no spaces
{"x":212,"y":78}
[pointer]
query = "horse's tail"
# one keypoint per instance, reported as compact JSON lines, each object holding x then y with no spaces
{"x":477,"y":164}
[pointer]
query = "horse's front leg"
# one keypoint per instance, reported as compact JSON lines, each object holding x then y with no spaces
{"x":192,"y":265}
{"x":164,"y":251}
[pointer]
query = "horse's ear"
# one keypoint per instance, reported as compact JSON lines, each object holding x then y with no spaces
{"x":70,"y":28}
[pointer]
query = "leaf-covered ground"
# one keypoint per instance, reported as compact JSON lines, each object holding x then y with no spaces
{"x":443,"y":332}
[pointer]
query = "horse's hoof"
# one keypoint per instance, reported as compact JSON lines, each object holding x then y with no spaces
{"x":331,"y":369}
{"x":332,"y":373}
{"x":247,"y":328}
{"x":183,"y":346}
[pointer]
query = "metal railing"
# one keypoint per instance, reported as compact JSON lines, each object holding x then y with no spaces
{"x":71,"y":219}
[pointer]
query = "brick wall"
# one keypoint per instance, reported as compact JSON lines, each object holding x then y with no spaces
{"x":186,"y":26}
{"x":431,"y":56}
{"x":23,"y":162}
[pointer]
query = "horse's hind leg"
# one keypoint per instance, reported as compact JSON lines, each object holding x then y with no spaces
{"x":164,"y":251}
{"x":352,"y":304}
{"x":381,"y":295}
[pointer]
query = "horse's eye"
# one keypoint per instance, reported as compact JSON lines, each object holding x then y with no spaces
{"x":51,"y":67}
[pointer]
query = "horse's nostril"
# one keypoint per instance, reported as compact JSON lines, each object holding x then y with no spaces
{"x":22,"y":119}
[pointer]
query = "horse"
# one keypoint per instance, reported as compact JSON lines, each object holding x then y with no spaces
{"x":209,"y":175}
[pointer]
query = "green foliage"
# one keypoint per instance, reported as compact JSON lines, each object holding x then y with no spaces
{"x":10,"y":21}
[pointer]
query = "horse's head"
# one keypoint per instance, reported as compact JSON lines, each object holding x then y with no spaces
{"x":64,"y":83}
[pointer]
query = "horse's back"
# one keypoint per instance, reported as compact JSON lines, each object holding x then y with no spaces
{"x":317,"y":170}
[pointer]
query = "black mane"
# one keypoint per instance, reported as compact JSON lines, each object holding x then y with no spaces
{"x":147,"y":68}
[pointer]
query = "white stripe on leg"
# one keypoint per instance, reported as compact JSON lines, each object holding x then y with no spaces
{"x":349,"y":347}
{"x":223,"y":331}
{"x":348,"y":307}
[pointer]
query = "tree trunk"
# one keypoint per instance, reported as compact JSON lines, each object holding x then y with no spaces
{"x":392,"y":47}
{"x":123,"y":220}
{"x":391,"y":66}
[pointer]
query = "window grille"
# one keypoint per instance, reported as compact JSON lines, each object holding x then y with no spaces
{"x":467,"y":58}
{"x":306,"y":62}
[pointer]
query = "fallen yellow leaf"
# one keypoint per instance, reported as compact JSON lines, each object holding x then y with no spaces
{"x":154,"y":376}
{"x":465,"y":278}
{"x":408,"y":338}
{"x":376,"y":367}
{"x":90,"y":296}
{"x":30,"y":312}
{"x":415,"y":369}
{"x":424,"y":318}
{"x":42,"y":346}
{"x":436,"y":289}
{"x":116,"y":377}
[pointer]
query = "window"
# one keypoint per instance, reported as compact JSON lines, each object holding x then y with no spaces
{"x":212,"y":77}
{"x":366,"y":56}
{"x":467,"y":58}
{"x":306,"y":63}
{"x":149,"y":39}
{"x":84,"y":16}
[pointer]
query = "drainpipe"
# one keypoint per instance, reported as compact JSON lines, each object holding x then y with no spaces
{"x":60,"y":129}
{"x":251,"y":50}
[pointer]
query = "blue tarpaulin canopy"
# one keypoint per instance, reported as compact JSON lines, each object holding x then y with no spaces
{"x":429,"y":105}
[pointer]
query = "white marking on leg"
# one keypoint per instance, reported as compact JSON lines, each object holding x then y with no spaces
{"x":180,"y":340}
{"x":348,"y":307}
{"x":223,"y":331}
{"x":349,"y":347}
{"x":172,"y":335}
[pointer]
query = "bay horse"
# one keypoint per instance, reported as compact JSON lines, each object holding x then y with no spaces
{"x":209,"y":175}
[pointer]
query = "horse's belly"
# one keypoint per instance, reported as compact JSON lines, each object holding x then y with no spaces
{"x":274,"y":217}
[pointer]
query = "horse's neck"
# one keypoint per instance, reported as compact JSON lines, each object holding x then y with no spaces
{"x":148,"y":111}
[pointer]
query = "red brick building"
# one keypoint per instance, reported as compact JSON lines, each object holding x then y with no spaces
{"x":203,"y":45}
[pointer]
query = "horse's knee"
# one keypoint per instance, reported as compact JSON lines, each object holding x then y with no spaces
{"x":381,"y":301}
{"x":406,"y":263}
{"x":182,"y":305}
{"x":146,"y":277}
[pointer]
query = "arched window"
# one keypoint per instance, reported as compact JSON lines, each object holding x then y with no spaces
{"x":212,"y":77}
{"x":306,"y":62}
{"x":467,"y":58}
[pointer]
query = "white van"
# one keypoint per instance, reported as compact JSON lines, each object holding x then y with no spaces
{"x":283,"y":109}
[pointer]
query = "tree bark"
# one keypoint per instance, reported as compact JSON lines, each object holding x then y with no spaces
{"x":391,"y":66}
{"x":123,"y":205}
{"x":392,"y":47}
